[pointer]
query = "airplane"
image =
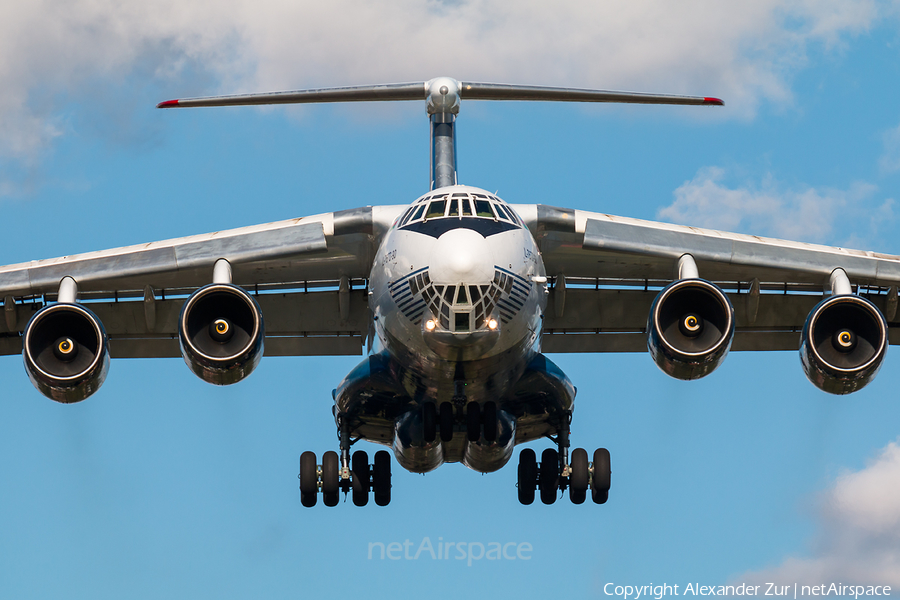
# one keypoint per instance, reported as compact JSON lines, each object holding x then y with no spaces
{"x":454,"y":299}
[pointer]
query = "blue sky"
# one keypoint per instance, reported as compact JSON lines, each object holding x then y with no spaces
{"x":163,"y":486}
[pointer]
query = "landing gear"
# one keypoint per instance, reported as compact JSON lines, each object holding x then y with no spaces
{"x":360,"y":481}
{"x":527,"y":475}
{"x":381,"y":478}
{"x":556,"y":473}
{"x":429,"y":422}
{"x":600,"y":476}
{"x":473,"y":421}
{"x":548,"y":478}
{"x":480,"y":421}
{"x":328,"y":478}
{"x":446,"y":421}
{"x":579,"y":476}
{"x":309,"y":479}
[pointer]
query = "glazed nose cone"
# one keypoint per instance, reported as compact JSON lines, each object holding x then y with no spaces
{"x":461,"y":256}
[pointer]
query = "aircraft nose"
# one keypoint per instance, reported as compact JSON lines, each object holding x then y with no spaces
{"x":461,"y":255}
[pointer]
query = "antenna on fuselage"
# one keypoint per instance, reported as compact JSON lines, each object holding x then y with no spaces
{"x":442,"y":96}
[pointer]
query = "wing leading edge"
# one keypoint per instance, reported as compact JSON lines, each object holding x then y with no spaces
{"x":307,"y":274}
{"x":607,"y":271}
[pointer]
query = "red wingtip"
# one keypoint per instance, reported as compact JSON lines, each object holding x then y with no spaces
{"x":709,"y":101}
{"x":167,"y":104}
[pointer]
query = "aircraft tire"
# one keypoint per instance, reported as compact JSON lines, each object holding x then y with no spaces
{"x":600,"y":481}
{"x":549,"y":476}
{"x":429,"y":419}
{"x":490,"y":421}
{"x":359,"y":473}
{"x":578,"y":479}
{"x":473,"y":421}
{"x":308,"y":479}
{"x":446,"y":421}
{"x":381,"y":478}
{"x":330,"y":478}
{"x":527,"y":475}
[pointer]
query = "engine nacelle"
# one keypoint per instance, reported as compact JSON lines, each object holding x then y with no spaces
{"x":221,"y":333}
{"x":843,"y":343}
{"x":690,"y":328}
{"x":66,"y":352}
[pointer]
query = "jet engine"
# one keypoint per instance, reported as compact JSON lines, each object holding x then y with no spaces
{"x":66,"y":352}
{"x":843,"y":343}
{"x":221,"y":333}
{"x":690,"y":328}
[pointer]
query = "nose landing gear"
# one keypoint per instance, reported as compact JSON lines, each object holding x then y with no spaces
{"x":441,"y":421}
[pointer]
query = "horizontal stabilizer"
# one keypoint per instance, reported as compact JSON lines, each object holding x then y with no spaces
{"x":421,"y":91}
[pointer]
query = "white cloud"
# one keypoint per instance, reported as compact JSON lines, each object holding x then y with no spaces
{"x":859,"y":532}
{"x":54,"y":51}
{"x":768,"y":208}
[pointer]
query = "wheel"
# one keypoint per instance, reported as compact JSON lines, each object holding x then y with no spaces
{"x":473,"y":421}
{"x":309,"y":488}
{"x":490,"y":421}
{"x":446,"y":420}
{"x":331,"y":477}
{"x":527,"y":475}
{"x":548,"y":480}
{"x":359,"y":474}
{"x":601,"y":476}
{"x":429,"y":418}
{"x":381,"y":478}
{"x":578,"y":479}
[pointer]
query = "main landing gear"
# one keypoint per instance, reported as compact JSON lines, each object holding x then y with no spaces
{"x":579,"y":476}
{"x":342,"y":474}
{"x":329,"y":478}
{"x":555,"y":473}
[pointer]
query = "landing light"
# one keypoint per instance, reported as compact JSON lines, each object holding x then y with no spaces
{"x":492,"y":324}
{"x":430,"y":324}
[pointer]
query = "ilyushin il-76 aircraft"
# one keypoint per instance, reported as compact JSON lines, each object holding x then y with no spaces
{"x":453,"y":298}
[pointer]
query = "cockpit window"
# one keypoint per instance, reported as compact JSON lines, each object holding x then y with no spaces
{"x":407,"y":216}
{"x":501,"y":211}
{"x":436,"y":209}
{"x":459,"y":205}
{"x":483,"y":209}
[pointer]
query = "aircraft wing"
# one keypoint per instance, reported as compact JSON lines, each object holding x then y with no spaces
{"x":605,"y":272}
{"x":308,"y":276}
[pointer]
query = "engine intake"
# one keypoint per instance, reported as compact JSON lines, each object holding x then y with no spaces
{"x":221,"y":333}
{"x":690,"y":328}
{"x":843,"y":343}
{"x":66,"y":352}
